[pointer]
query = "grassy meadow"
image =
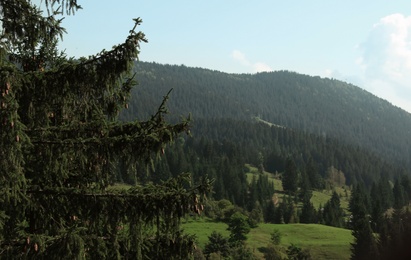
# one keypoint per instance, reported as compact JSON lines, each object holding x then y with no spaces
{"x":324,"y":242}
{"x":318,"y":197}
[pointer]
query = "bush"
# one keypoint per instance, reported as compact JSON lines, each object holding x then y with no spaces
{"x":296,"y":253}
{"x":276,"y":237}
{"x":217,"y":244}
{"x":272,"y":252}
{"x":239,"y":228}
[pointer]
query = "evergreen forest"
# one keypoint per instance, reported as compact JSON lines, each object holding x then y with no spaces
{"x":105,"y":157}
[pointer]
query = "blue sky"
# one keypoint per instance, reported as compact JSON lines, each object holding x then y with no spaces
{"x":367,"y":43}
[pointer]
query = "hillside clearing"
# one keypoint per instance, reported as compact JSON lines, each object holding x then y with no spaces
{"x":324,"y":242}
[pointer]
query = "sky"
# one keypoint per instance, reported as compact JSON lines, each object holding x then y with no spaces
{"x":366,"y":43}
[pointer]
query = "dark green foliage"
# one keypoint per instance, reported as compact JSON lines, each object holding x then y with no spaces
{"x":377,"y":210}
{"x":270,"y":213}
{"x":399,"y":195}
{"x":325,"y":108}
{"x":406,"y":184}
{"x":290,"y":177}
{"x":395,"y":236}
{"x":333,"y":214}
{"x":296,"y":253}
{"x":214,"y":153}
{"x":364,"y":246}
{"x":242,"y":252}
{"x":275,"y":237}
{"x":260,"y":192}
{"x":217,"y":244}
{"x":315,"y":181}
{"x":272,"y":252}
{"x":286,"y":211}
{"x":256,"y":216}
{"x":384,"y":193}
{"x":238,"y":227}
{"x":62,"y":147}
{"x":305,"y":190}
{"x":308,"y":212}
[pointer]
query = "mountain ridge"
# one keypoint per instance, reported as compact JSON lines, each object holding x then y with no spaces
{"x":321,"y":106}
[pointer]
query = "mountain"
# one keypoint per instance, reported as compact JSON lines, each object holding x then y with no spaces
{"x":323,"y":107}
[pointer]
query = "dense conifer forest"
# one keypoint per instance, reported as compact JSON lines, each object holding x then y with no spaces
{"x":311,"y":133}
{"x":94,"y":167}
{"x":314,"y":111}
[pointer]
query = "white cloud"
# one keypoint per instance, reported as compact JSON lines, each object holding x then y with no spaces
{"x":239,"y":56}
{"x":330,"y":73}
{"x":261,"y":67}
{"x":253,"y":66}
{"x":386,"y":60}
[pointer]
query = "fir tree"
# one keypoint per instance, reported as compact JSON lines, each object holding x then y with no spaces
{"x":217,"y":244}
{"x":395,"y":236}
{"x":270,"y":212}
{"x":333,"y":214}
{"x":290,"y":177}
{"x":311,"y":170}
{"x":308,"y":212}
{"x":288,"y":210}
{"x":399,"y":195}
{"x":239,"y":228}
{"x":364,"y":246}
{"x":377,"y":212}
{"x":60,"y":144}
{"x":385,"y":193}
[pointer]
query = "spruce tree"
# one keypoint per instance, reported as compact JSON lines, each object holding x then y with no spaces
{"x":308,"y":212}
{"x":239,"y":228}
{"x":290,"y":177}
{"x":61,"y":144}
{"x":399,"y":195}
{"x":333,"y":214}
{"x":270,"y":212}
{"x":377,"y":211}
{"x":364,"y":246}
{"x":217,"y":243}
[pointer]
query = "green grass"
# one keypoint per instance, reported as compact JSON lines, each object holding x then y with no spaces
{"x":119,"y":186}
{"x":324,"y":242}
{"x":321,"y":197}
{"x":318,"y":198}
{"x":251,"y":171}
{"x":203,"y":227}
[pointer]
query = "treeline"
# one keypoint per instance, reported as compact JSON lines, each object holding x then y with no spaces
{"x":323,"y":107}
{"x":260,"y":143}
{"x":219,"y":149}
{"x":216,"y":143}
{"x":325,"y":132}
{"x":304,"y":163}
{"x":381,"y":220}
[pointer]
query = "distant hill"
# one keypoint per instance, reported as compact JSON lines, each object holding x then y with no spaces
{"x":324,"y":107}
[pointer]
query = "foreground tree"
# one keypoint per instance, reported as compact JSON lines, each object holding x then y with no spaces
{"x":217,"y":243}
{"x":395,"y":236}
{"x":60,"y":144}
{"x":364,"y":246}
{"x":239,"y":228}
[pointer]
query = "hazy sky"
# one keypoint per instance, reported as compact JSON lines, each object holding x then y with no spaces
{"x":367,"y":43}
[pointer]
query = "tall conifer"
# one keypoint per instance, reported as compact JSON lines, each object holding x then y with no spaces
{"x":60,"y":142}
{"x":364,"y":246}
{"x":290,"y":177}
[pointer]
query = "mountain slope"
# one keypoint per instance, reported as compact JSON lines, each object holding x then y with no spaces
{"x":325,"y":107}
